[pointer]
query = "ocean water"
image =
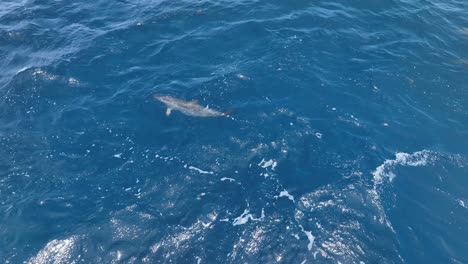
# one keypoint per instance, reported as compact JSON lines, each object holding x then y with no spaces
{"x":348,"y":141}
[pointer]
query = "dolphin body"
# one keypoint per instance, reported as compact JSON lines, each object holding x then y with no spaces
{"x":190,"y":108}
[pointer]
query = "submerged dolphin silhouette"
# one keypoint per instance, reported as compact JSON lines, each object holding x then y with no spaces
{"x":191,"y":108}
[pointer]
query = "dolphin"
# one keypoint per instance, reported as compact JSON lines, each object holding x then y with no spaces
{"x":190,"y":108}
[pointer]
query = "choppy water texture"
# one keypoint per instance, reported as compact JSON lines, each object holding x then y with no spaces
{"x":348,"y":143}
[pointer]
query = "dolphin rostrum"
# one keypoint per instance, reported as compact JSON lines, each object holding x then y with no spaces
{"x":191,"y":108}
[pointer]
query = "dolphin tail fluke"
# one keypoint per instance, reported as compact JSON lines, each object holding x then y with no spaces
{"x":168,"y":111}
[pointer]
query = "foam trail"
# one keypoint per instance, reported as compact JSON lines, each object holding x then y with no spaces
{"x":200,"y":170}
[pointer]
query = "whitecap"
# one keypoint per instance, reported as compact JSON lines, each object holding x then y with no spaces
{"x":385,"y":171}
{"x":268,"y":163}
{"x":285,"y":194}
{"x":242,"y":76}
{"x":73,"y":81}
{"x":462,"y":203}
{"x":416,"y":159}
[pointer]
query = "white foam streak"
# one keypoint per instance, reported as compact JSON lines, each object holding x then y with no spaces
{"x":227,"y":179}
{"x":245,"y":217}
{"x":200,"y":170}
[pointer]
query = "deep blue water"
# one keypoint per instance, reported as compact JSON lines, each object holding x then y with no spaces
{"x":347,"y":144}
